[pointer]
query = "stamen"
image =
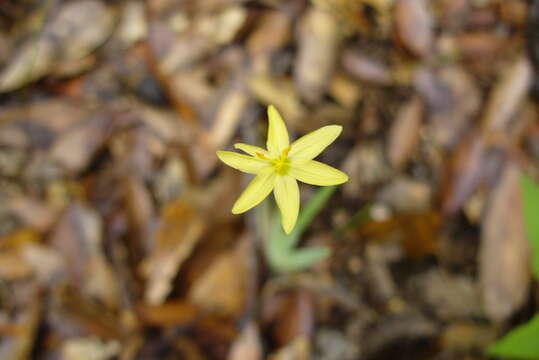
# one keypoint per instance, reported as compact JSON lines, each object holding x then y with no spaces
{"x":260,"y":155}
{"x":286,"y":151}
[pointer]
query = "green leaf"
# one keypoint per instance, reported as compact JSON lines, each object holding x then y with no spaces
{"x":281,"y":248}
{"x":299,"y":259}
{"x":520,"y":343}
{"x":530,"y":195}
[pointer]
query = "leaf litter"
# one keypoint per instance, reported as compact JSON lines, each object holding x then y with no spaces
{"x":116,"y":237}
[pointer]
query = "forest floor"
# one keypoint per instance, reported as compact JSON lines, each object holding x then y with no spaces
{"x":117,"y":239}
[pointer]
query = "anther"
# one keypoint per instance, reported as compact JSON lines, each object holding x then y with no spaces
{"x":286,"y":151}
{"x":260,"y":155}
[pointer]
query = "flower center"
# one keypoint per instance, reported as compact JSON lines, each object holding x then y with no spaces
{"x":282,"y":164}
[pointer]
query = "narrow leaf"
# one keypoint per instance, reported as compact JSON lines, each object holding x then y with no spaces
{"x":519,"y":343}
{"x":530,"y":192}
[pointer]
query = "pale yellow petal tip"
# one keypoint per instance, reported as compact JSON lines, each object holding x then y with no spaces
{"x":289,"y":222}
{"x":274,"y":114}
{"x":220,"y":154}
{"x":288,"y":228}
{"x":236,"y":209}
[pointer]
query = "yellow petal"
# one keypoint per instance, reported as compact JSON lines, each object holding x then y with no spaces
{"x":316,"y":173}
{"x":255,"y":192}
{"x":309,"y":146}
{"x":287,"y":196}
{"x":243,"y":163}
{"x":277,"y":133}
{"x":251,"y":149}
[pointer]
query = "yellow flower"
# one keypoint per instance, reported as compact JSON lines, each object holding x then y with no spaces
{"x":278,"y":167}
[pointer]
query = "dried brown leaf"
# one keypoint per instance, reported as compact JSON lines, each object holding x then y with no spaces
{"x":465,"y":173}
{"x":228,"y":116}
{"x":74,"y":149}
{"x":78,"y":236}
{"x":299,"y":349}
{"x":319,"y":40}
{"x":414,"y":25}
{"x":13,"y":266}
{"x":507,"y":96}
{"x":247,"y":345}
{"x":504,"y":270}
{"x":223,"y":287}
{"x":20,"y":346}
{"x":177,"y":313}
{"x":89,"y":348}
{"x":404,"y":133}
{"x":35,"y":214}
{"x":174,"y":241}
{"x":76,"y":30}
{"x":280,"y":92}
{"x":366,"y":69}
{"x":453,"y":100}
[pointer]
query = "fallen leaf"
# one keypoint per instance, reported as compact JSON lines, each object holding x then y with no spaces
{"x":175,"y":239}
{"x":507,"y":96}
{"x":177,"y":313}
{"x":319,"y":40}
{"x":404,"y":133}
{"x":222,"y":288}
{"x":75,"y":30}
{"x":366,"y":69}
{"x":75,"y":148}
{"x":414,"y":26}
{"x":78,"y":237}
{"x":89,"y":349}
{"x":247,"y":345}
{"x":504,"y":254}
{"x":299,"y":349}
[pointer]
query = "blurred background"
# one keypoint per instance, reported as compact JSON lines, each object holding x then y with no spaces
{"x":116,"y":236}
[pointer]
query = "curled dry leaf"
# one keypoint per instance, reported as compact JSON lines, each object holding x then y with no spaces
{"x":504,"y":270}
{"x":414,"y":26}
{"x":319,"y":39}
{"x":174,"y":241}
{"x":404,"y":133}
